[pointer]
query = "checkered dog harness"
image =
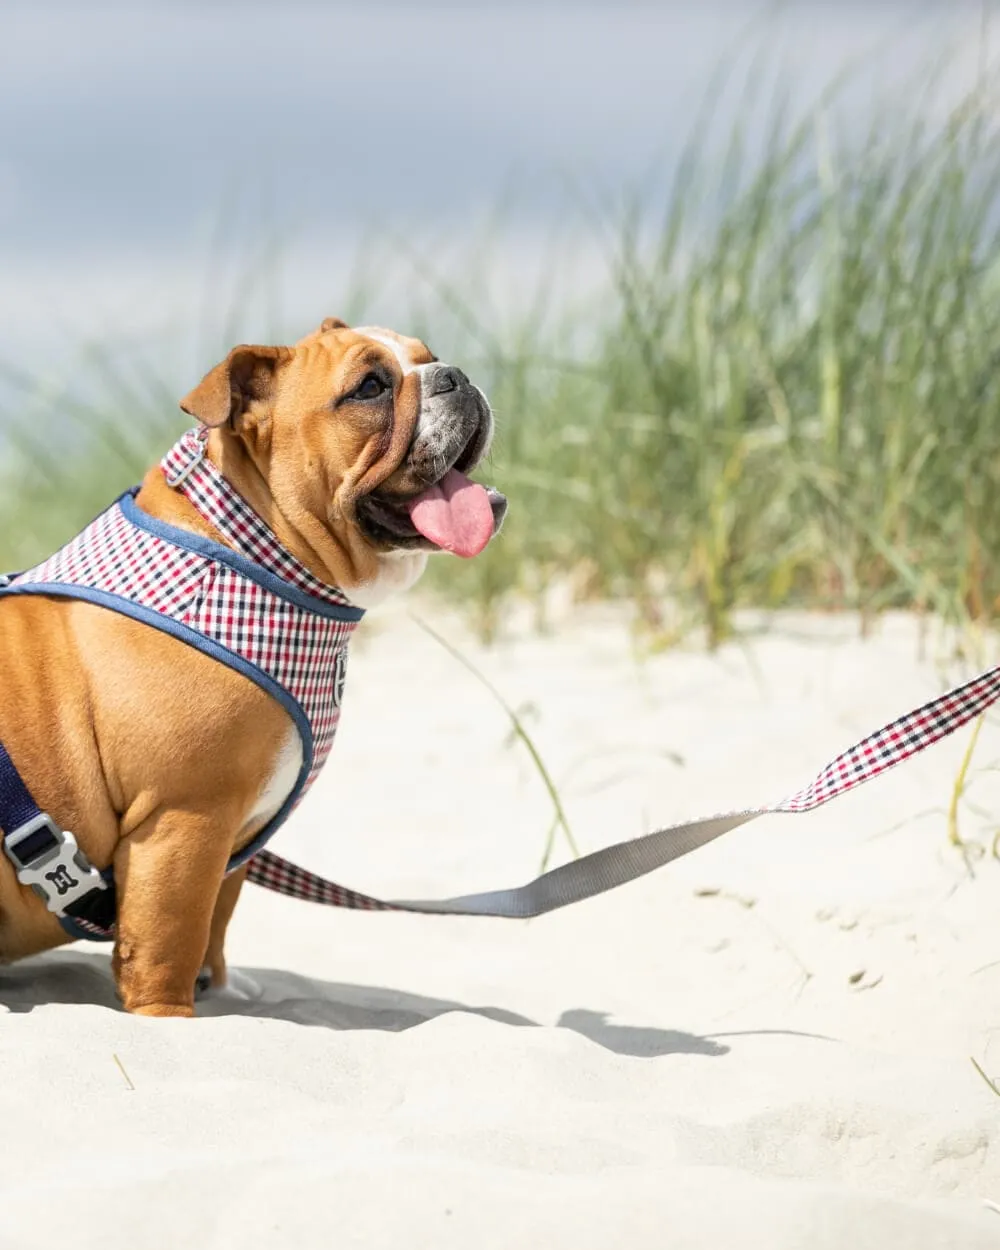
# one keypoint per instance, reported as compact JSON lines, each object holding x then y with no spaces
{"x":250,"y":605}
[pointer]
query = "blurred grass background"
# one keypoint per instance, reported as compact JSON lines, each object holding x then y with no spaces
{"x":785,"y":394}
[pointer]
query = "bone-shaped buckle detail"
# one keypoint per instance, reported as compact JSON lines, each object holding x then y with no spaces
{"x":48,"y":859}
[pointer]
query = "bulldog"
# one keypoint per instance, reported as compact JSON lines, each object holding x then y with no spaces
{"x":172,"y":677}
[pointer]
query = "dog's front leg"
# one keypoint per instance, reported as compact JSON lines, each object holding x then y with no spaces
{"x":168,"y":873}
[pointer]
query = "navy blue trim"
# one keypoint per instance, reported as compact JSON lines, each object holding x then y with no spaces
{"x":225,"y":555}
{"x":17,"y":806}
{"x":184,"y":633}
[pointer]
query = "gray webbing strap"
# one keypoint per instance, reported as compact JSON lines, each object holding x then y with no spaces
{"x":589,"y":875}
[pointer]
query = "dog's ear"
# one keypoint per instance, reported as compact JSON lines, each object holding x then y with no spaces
{"x":333,"y":323}
{"x":247,"y":374}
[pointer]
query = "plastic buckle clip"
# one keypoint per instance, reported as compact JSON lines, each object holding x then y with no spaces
{"x":48,"y":859}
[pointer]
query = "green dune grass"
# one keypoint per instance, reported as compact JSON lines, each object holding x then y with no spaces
{"x":787,"y":392}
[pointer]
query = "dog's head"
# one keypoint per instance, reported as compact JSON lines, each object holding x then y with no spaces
{"x":365,"y":434}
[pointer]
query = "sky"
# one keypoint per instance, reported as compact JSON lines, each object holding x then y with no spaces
{"x":165,"y":163}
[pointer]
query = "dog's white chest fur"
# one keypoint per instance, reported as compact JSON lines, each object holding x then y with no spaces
{"x":398,"y":571}
{"x":280,"y":784}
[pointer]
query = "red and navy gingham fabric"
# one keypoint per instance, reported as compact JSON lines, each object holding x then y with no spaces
{"x":897,"y":741}
{"x":302,"y":650}
{"x":186,"y":467}
{"x":274,"y":873}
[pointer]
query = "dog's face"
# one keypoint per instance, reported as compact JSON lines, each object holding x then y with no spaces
{"x":365,"y":433}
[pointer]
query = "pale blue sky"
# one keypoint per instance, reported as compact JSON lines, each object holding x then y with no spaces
{"x":131,"y":131}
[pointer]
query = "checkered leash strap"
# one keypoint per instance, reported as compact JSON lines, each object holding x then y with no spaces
{"x":615,"y":865}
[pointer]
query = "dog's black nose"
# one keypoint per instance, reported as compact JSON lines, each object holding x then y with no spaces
{"x":447,"y":378}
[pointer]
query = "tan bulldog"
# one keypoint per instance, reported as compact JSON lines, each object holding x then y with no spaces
{"x":353,"y":447}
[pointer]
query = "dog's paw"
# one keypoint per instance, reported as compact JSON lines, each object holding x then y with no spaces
{"x":238,"y":986}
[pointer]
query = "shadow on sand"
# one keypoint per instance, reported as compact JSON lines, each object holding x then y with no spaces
{"x":70,"y":977}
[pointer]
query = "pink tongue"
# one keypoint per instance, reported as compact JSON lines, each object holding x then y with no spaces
{"x":455,"y":514}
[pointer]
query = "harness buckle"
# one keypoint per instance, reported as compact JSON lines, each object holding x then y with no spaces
{"x":48,"y":859}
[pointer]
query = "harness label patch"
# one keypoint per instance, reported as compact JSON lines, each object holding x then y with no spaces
{"x":339,"y":675}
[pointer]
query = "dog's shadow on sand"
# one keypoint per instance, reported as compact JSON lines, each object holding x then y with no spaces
{"x":72,"y":977}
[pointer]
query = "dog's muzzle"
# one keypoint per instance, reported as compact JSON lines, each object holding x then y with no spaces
{"x":429,"y":502}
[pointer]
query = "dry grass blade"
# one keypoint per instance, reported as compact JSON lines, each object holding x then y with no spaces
{"x":560,"y":820}
{"x":125,"y":1075}
{"x":958,"y":789}
{"x":989,"y":1080}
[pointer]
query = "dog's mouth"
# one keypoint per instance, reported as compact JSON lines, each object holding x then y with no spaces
{"x":454,"y":514}
{"x":430,"y":503}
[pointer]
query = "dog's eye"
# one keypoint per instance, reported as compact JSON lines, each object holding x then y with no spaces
{"x":371,"y":388}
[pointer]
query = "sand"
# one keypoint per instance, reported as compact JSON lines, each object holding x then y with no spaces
{"x":767,"y":1044}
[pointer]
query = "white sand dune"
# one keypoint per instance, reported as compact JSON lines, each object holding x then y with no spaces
{"x":767,"y":1044}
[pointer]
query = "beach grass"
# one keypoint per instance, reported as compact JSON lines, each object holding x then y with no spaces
{"x":786,"y":393}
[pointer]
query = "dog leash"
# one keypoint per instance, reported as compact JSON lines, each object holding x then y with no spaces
{"x":625,"y":861}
